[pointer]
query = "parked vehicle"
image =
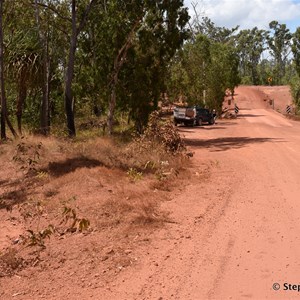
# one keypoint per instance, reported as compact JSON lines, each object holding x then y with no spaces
{"x":203,"y":115}
{"x":185,"y":115}
{"x":192,"y":115}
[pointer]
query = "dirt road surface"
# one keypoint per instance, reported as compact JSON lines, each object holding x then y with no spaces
{"x":235,"y":235}
{"x":232,"y":230}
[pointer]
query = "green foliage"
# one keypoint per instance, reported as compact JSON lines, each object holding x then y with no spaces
{"x":24,"y":54}
{"x":250,"y":46}
{"x":203,"y":70}
{"x":279,"y":45}
{"x":134,"y":175}
{"x":159,"y":29}
{"x":163,"y":56}
{"x":295,"y":91}
{"x":296,"y":50}
{"x":38,"y":238}
{"x":75,"y":223}
{"x":214,"y":33}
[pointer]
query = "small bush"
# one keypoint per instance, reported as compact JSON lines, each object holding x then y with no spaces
{"x":75,"y":224}
{"x":27,"y":156}
{"x":162,"y":132}
{"x":38,"y":238}
{"x":159,"y":149}
{"x":295,"y":91}
{"x":134,"y":175}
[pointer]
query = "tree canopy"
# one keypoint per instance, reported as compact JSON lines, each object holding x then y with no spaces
{"x":67,"y":60}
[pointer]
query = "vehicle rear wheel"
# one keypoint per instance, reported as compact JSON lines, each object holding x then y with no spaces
{"x":212,"y":121}
{"x":200,"y":122}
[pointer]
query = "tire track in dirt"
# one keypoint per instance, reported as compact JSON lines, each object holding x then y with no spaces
{"x":236,"y":239}
{"x":191,"y":250}
{"x":196,"y":223}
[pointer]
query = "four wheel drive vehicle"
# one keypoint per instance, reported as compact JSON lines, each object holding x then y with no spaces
{"x":204,"y":116}
{"x":192,"y":115}
{"x":185,"y":115}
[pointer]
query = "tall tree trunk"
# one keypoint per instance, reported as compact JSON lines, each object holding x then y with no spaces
{"x":112,"y":105}
{"x":69,"y":107}
{"x":4,"y":115}
{"x":69,"y":102}
{"x":118,"y":63}
{"x":22,"y":94}
{"x":3,"y":99}
{"x":44,"y":118}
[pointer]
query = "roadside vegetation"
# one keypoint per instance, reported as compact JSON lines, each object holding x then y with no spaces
{"x":54,"y":189}
{"x":106,"y":65}
{"x":87,"y":151}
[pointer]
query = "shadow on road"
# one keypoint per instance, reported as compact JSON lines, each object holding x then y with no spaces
{"x":186,"y":130}
{"x":220,"y":125}
{"x":216,"y":127}
{"x":227,"y":143}
{"x":224,"y":122}
{"x":251,"y":116}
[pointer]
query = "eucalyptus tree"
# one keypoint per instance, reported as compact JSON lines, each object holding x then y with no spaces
{"x":190,"y":70}
{"x":279,"y":42}
{"x":76,"y":28}
{"x":161,"y":34}
{"x":295,"y":85}
{"x":206,"y":66}
{"x":296,"y":50}
{"x":109,"y":34}
{"x":222,"y":73}
{"x":213,"y":32}
{"x":128,"y":45}
{"x":250,"y":44}
{"x":44,"y":44}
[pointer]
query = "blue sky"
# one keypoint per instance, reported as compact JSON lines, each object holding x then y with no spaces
{"x":249,"y":13}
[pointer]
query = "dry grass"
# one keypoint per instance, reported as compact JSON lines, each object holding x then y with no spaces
{"x":10,"y":262}
{"x":95,"y":177}
{"x":293,"y":117}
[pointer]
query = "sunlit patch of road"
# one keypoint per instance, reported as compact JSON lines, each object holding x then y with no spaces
{"x":264,"y":116}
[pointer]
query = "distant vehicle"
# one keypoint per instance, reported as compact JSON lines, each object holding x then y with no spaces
{"x":185,"y":115}
{"x":204,"y":116}
{"x":192,"y":115}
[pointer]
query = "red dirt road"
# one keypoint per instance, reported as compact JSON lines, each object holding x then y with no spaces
{"x":236,"y":233}
{"x":232,"y":230}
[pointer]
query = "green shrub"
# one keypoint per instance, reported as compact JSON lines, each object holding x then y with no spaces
{"x":295,"y":91}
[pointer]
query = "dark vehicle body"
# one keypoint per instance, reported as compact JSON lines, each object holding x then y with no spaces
{"x":192,"y":115}
{"x":203,"y":115}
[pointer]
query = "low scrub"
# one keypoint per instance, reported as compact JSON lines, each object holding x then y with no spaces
{"x":159,"y":148}
{"x":161,"y":133}
{"x":145,"y":153}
